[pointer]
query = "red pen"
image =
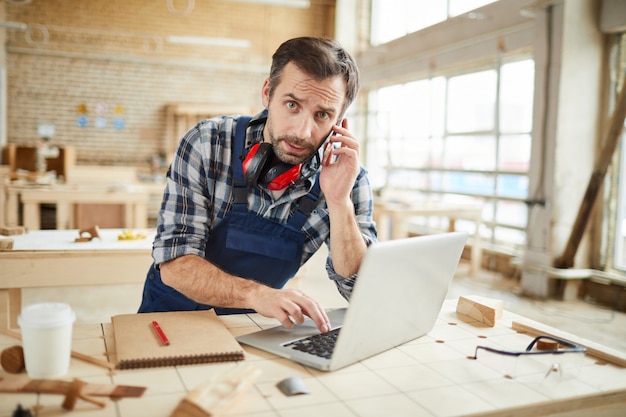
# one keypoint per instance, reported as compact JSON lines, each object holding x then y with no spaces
{"x":160,"y":333}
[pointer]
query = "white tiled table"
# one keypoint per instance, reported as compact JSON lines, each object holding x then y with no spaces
{"x":430,"y":376}
{"x":51,"y":258}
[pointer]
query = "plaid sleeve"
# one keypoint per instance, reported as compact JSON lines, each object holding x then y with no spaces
{"x":197,"y":191}
{"x":362,"y":198}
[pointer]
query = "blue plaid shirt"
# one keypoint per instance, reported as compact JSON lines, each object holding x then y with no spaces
{"x":198,"y":196}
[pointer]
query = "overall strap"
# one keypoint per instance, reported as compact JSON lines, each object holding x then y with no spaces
{"x":305,"y":204}
{"x":240,"y":190}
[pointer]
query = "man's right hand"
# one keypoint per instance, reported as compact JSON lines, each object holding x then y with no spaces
{"x":289,"y":307}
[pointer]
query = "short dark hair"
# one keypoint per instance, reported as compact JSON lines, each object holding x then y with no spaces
{"x":319,"y":57}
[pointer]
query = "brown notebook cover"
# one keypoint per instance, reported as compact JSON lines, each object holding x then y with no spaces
{"x":194,"y":337}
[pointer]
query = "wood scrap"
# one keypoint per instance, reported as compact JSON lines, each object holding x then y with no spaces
{"x":72,"y":394}
{"x":547,"y":345}
{"x":12,"y":230}
{"x":75,"y":392}
{"x":608,"y":403}
{"x":596,"y":350}
{"x":482,"y":309}
{"x":72,"y":390}
{"x":12,"y":359}
{"x":87,"y":234}
{"x":214,"y":397}
{"x":6,"y":244}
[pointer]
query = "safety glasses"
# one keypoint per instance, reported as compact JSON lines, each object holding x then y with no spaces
{"x":546,"y":358}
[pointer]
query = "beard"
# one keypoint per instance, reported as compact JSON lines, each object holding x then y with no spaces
{"x":287,"y":157}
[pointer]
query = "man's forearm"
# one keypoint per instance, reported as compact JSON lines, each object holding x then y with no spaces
{"x":205,"y":283}
{"x":346,"y":242}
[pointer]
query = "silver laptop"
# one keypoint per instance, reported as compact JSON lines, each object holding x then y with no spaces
{"x":397,"y":298}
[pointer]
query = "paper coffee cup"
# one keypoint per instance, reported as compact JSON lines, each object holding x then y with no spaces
{"x":47,"y":339}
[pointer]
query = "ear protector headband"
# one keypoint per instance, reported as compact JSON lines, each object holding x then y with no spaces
{"x":259,"y":168}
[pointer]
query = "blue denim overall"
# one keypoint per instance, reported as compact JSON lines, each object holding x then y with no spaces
{"x":242,"y":244}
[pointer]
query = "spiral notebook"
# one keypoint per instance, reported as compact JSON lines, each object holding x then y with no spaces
{"x":191,"y":337}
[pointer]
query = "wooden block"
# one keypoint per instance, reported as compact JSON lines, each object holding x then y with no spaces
{"x":77,"y":389}
{"x":6,"y":244}
{"x":214,"y":397}
{"x":72,"y":394}
{"x":12,"y":359}
{"x":86,"y":235}
{"x":12,"y":230}
{"x":482,"y":309}
{"x":547,"y":345}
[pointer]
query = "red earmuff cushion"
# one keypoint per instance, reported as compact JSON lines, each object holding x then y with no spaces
{"x":280,"y":176}
{"x":255,"y":162}
{"x":258,"y":169}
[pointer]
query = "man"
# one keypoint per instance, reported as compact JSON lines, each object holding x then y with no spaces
{"x":230,"y":234}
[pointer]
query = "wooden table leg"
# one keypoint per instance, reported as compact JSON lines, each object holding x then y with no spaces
{"x":12,"y":209}
{"x":14,"y":306}
{"x":65,"y":215}
{"x":398,"y":226}
{"x":141,"y":215}
{"x":382,"y":226}
{"x":477,"y":252}
{"x":12,"y":299}
{"x":451,"y":224}
{"x":32,"y":216}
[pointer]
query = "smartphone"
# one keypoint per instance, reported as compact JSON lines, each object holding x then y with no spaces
{"x":335,"y":145}
{"x":335,"y":158}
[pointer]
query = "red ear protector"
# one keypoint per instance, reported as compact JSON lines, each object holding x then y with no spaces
{"x":259,"y":168}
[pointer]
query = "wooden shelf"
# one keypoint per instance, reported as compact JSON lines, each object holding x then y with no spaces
{"x":21,"y":157}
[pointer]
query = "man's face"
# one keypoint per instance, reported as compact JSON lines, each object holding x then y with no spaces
{"x":301,"y":113}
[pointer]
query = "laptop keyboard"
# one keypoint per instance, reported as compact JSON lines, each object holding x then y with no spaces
{"x":321,"y":345}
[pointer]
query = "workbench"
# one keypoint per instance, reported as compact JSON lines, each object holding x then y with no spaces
{"x":429,"y":376}
{"x":52,"y":258}
{"x":392,"y":218}
{"x":134,"y":199}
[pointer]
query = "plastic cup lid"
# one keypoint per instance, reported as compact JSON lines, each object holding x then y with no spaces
{"x":46,"y":315}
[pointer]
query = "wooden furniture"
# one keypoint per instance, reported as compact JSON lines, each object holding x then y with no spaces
{"x":52,"y":258}
{"x":133,"y":198}
{"x":20,"y":157}
{"x":104,"y":215}
{"x":101,"y":175}
{"x":4,"y":183}
{"x":392,"y":217}
{"x":82,"y":179}
{"x":429,"y":376}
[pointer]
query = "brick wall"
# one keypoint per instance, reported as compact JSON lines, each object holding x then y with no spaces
{"x":108,"y":55}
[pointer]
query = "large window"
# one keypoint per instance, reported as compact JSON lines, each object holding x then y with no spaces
{"x":463,"y":137}
{"x":395,"y":18}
